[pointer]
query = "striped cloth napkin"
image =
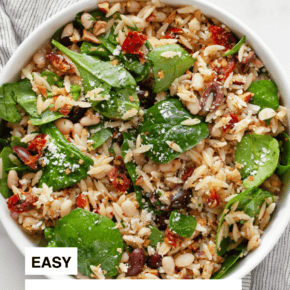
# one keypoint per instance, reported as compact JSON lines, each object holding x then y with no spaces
{"x":19,"y":18}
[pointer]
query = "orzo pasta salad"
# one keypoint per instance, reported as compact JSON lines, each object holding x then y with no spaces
{"x":148,"y":136}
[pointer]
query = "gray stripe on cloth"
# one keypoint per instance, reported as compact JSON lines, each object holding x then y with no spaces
{"x":18,"y":18}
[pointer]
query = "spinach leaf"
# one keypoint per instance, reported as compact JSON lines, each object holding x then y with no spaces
{"x":92,"y":49}
{"x":15,"y":141}
{"x":75,"y":91}
{"x":62,"y":161}
{"x":183,"y":225}
{"x":166,"y":70}
{"x":24,"y":96}
{"x":119,"y":104}
{"x":131,"y":62}
{"x":250,"y":202}
{"x":46,"y":117}
{"x":155,"y":237}
{"x":258,"y":155}
{"x":96,"y":73}
{"x":265,"y":94}
{"x":8,"y":108}
{"x":162,"y":123}
{"x":231,"y":259}
{"x":96,"y":237}
{"x":99,"y":134}
{"x":143,"y":200}
{"x":284,"y":165}
{"x":6,"y":163}
{"x":52,"y":78}
{"x":57,"y":34}
{"x":236,"y":48}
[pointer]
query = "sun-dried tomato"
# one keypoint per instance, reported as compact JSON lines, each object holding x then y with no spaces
{"x":213,"y":199}
{"x":234,"y":119}
{"x":60,"y":63}
{"x":81,"y":201}
{"x":118,"y":180}
{"x":37,"y":144}
{"x":224,"y":70}
{"x":175,"y":30}
{"x":64,"y":110}
{"x":221,"y":37}
{"x":134,"y":42}
{"x":19,"y":204}
{"x":26,"y":156}
{"x":187,"y":173}
{"x":172,"y":239}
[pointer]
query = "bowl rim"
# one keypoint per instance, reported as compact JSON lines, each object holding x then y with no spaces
{"x":282,"y":216}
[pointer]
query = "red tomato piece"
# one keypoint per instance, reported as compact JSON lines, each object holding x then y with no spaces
{"x":118,"y":180}
{"x":134,"y":42}
{"x":187,"y":173}
{"x":213,"y":199}
{"x":221,"y":37}
{"x":19,"y":205}
{"x":230,"y":124}
{"x":81,"y":201}
{"x":224,"y":71}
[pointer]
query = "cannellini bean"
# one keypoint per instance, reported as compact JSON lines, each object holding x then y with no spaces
{"x":193,"y":108}
{"x":68,"y":30}
{"x":90,"y":120}
{"x":266,"y":113}
{"x":65,"y":207}
{"x":197,"y":81}
{"x":56,"y":204}
{"x":39,"y":59}
{"x":184,"y":260}
{"x":12,"y":179}
{"x":129,"y":208}
{"x":86,"y":20}
{"x":31,"y":223}
{"x":148,"y":168}
{"x":78,"y":129}
{"x":133,"y":6}
{"x":172,"y":165}
{"x":65,"y":126}
{"x":168,"y":265}
{"x":160,"y":17}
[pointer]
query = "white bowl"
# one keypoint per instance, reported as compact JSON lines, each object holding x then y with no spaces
{"x":44,"y":32}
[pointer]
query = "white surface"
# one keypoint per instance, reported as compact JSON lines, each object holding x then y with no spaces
{"x":268,"y":19}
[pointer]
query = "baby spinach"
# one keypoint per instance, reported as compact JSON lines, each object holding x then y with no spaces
{"x":95,"y":50}
{"x":46,"y":117}
{"x":52,"y":78}
{"x":183,"y":225}
{"x":162,"y":122}
{"x":236,"y":48}
{"x":96,"y":237}
{"x":166,"y":70}
{"x":96,"y":73}
{"x":143,"y":199}
{"x":230,"y":260}
{"x":8,"y":108}
{"x":155,"y":237}
{"x":265,"y":94}
{"x":65,"y":164}
{"x":99,"y":134}
{"x":258,"y":155}
{"x":131,"y":62}
{"x":250,"y":202}
{"x":6,"y":163}
{"x":284,"y":165}
{"x":119,"y":103}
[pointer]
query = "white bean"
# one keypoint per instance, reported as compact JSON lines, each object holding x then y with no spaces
{"x":12,"y":179}
{"x":168,"y":265}
{"x":129,"y":208}
{"x":125,"y":257}
{"x":68,"y":30}
{"x":65,"y":207}
{"x":184,"y":260}
{"x":160,"y":17}
{"x":56,"y":204}
{"x":86,"y":20}
{"x":148,"y":168}
{"x":65,"y":126}
{"x":133,"y":6}
{"x":172,"y":165}
{"x":78,"y":129}
{"x":90,"y":120}
{"x":39,"y":59}
{"x":193,"y":108}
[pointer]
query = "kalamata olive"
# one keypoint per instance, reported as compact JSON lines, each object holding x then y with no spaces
{"x":155,"y":261}
{"x":246,"y":61}
{"x":25,"y":156}
{"x":160,"y":222}
{"x":218,"y":96}
{"x":136,"y":262}
{"x":65,"y":41}
{"x":146,"y":98}
{"x":180,"y":199}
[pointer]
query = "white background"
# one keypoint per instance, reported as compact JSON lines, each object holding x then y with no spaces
{"x":269,"y":19}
